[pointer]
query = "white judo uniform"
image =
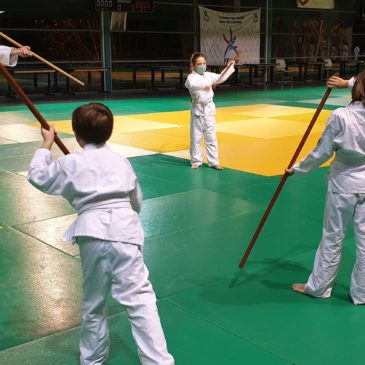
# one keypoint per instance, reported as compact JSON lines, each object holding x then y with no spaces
{"x":202,"y":119}
{"x":345,"y":201}
{"x":6,"y":58}
{"x":102,"y":186}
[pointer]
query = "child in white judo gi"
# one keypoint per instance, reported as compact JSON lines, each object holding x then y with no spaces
{"x":344,"y":135}
{"x":102,"y":186}
{"x":9,"y":55}
{"x":202,"y":120}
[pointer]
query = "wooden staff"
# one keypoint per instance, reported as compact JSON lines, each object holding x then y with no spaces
{"x":284,"y":178}
{"x":43,"y":60}
{"x":14,"y":84}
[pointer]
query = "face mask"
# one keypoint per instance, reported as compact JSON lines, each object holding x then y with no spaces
{"x":201,"y":69}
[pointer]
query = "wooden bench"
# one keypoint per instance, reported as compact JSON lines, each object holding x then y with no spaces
{"x":89,"y":71}
{"x":35,"y":73}
{"x":152,"y":69}
{"x":163,"y":70}
{"x":253,"y":69}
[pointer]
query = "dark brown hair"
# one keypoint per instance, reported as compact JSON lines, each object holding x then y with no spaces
{"x":358,"y":90}
{"x":93,"y":123}
{"x":194,"y":57}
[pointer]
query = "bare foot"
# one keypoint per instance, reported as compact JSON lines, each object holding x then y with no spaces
{"x":195,"y":166}
{"x":217,"y":167}
{"x":299,"y":288}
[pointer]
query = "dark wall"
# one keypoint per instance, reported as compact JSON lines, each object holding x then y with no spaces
{"x":70,"y":29}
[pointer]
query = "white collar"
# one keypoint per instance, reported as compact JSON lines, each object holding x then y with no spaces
{"x":93,"y":146}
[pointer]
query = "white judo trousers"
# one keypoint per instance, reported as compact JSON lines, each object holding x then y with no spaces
{"x":201,"y":125}
{"x":118,"y":268}
{"x":341,"y":210}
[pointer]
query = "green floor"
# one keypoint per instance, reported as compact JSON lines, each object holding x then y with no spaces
{"x":197,"y":225}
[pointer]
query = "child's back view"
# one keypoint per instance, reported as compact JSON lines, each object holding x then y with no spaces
{"x":102,"y":186}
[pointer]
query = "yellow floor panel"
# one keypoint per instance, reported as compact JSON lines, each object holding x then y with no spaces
{"x":322,"y":118}
{"x":59,"y":125}
{"x":178,"y":117}
{"x":245,"y":108}
{"x":266,"y":128}
{"x":255,"y":138}
{"x":121,"y":124}
{"x":263,"y":157}
{"x":224,"y":117}
{"x":269,"y":111}
{"x":158,"y":140}
{"x":269,"y":160}
{"x":132,"y":124}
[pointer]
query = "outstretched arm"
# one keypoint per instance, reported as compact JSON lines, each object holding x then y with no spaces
{"x":338,"y":82}
{"x":321,"y":153}
{"x":43,"y":173}
{"x":227,"y":71}
{"x":9,"y":55}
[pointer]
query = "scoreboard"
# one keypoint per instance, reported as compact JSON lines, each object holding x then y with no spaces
{"x":138,"y":6}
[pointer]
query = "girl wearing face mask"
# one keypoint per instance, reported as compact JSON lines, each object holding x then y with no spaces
{"x":202,"y":123}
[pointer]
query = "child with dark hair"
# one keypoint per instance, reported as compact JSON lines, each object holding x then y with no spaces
{"x":102,"y":186}
{"x":344,"y":135}
{"x":200,"y":84}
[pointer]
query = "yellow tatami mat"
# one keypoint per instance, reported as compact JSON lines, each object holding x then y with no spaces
{"x":255,"y":138}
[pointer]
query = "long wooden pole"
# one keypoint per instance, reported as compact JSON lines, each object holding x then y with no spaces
{"x":283,"y":179}
{"x":14,"y":84}
{"x":43,"y":60}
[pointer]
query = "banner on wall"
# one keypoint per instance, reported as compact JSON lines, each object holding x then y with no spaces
{"x":223,"y":35}
{"x":316,"y":4}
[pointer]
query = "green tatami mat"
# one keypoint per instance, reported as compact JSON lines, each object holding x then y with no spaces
{"x":50,"y":231}
{"x":40,"y":289}
{"x":190,"y":339}
{"x":188,"y":210}
{"x":258,"y":305}
{"x":297,"y":196}
{"x":153,"y":187}
{"x":25,"y":204}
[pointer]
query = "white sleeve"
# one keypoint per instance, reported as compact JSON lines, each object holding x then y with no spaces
{"x":351,"y":82}
{"x":135,"y":195}
{"x":187,"y":83}
{"x":322,"y":152}
{"x":223,"y":76}
{"x":136,"y":198}
{"x":45,"y":174}
{"x":6,"y":58}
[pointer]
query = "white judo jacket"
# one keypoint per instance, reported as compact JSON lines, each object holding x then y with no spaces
{"x":201,"y":91}
{"x":6,"y":58}
{"x":100,"y":184}
{"x":345,"y":135}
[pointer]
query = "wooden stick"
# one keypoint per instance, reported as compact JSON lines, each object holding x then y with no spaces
{"x":43,"y":60}
{"x":13,"y":83}
{"x":283,"y":179}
